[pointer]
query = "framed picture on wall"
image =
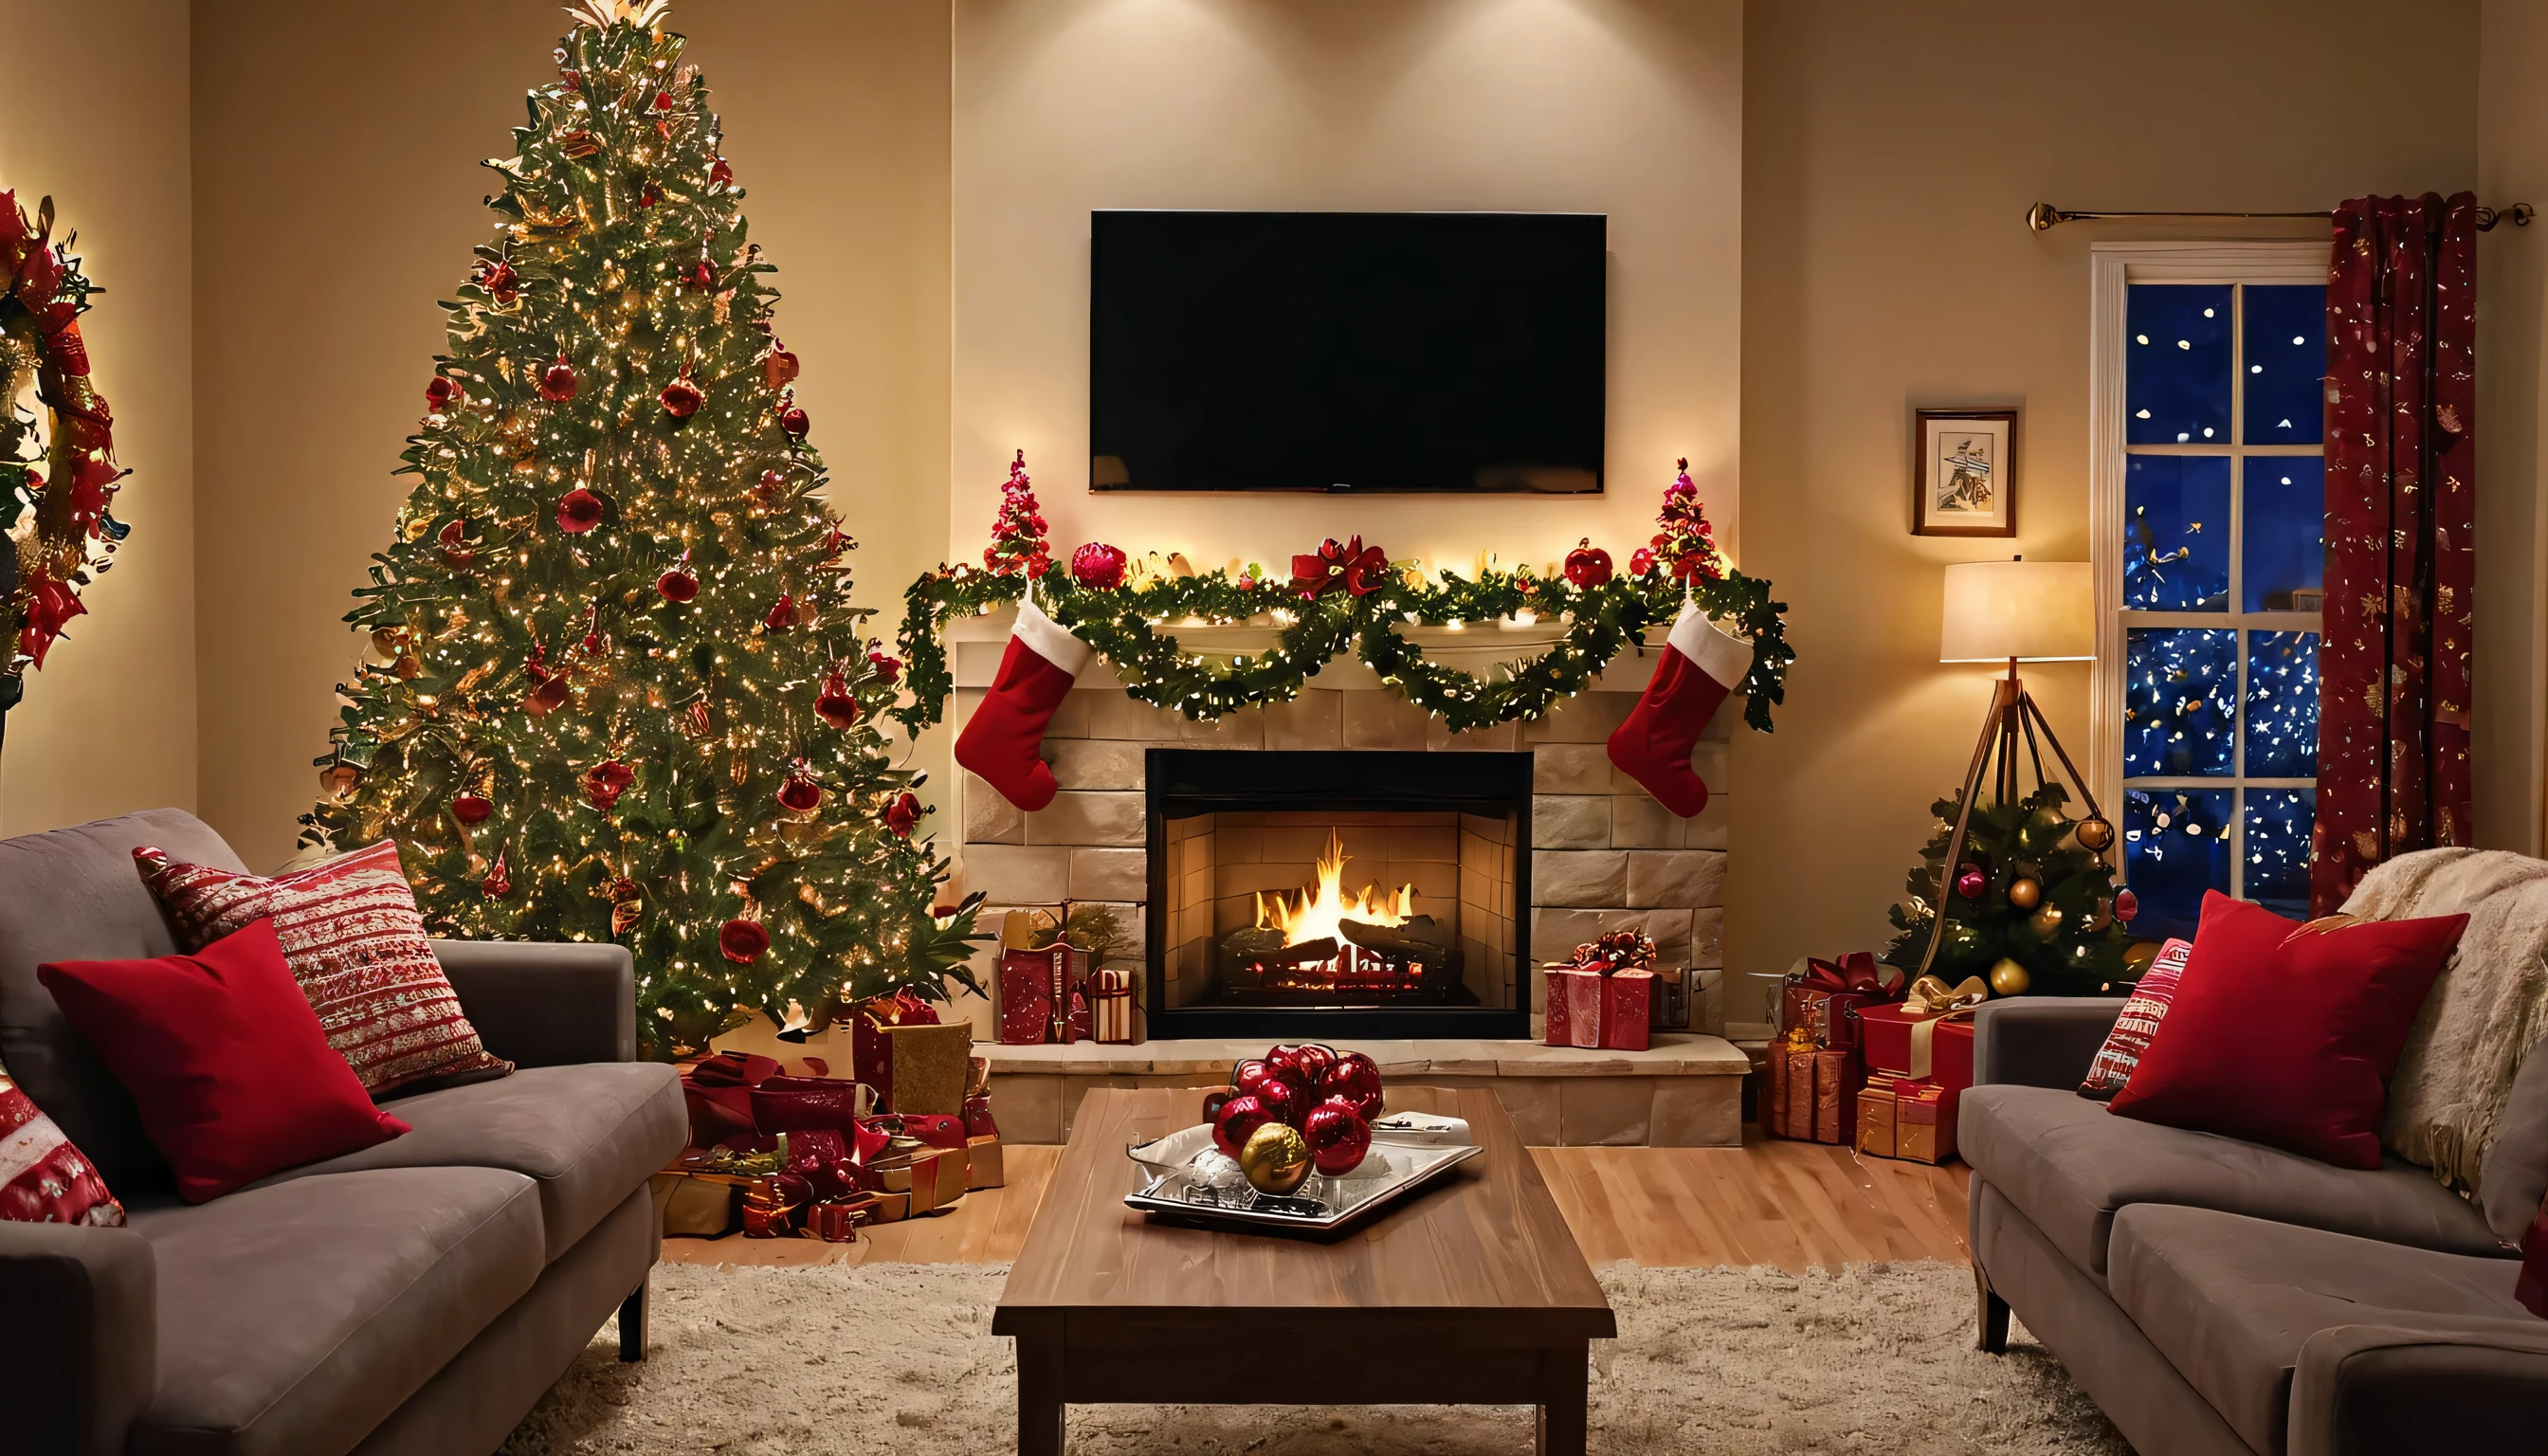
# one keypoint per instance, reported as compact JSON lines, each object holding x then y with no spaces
{"x":1963,"y":472}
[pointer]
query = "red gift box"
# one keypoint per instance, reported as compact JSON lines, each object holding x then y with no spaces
{"x":1043,"y":995}
{"x":1627,"y":1010}
{"x":1924,"y":1122}
{"x":1111,"y":1010}
{"x":1587,"y":1008}
{"x":1819,"y":997}
{"x":1892,"y":1039}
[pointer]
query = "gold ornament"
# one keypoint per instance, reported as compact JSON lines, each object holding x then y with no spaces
{"x":2008,"y":979}
{"x":2138,"y":957}
{"x":2025,"y":894}
{"x":2046,"y":921}
{"x":1276,"y":1159}
{"x":2102,"y":915}
{"x":2095,"y":833}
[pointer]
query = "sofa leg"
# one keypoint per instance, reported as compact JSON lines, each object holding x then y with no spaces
{"x":632,"y":1324}
{"x":1993,"y":1313}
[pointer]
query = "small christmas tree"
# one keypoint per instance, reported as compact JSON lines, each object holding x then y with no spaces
{"x":622,"y":691}
{"x":2031,"y":887}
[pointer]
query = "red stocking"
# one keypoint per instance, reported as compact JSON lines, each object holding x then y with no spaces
{"x":1700,"y":665}
{"x":1001,"y":739}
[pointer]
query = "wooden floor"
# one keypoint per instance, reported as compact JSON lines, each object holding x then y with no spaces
{"x":1796,"y":1205}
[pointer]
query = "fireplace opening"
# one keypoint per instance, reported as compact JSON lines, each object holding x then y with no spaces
{"x":1301,"y":897}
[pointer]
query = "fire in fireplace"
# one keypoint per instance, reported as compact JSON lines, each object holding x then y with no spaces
{"x":1339,"y":894}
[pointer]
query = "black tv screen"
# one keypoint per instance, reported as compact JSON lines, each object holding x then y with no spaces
{"x":1346,"y":351}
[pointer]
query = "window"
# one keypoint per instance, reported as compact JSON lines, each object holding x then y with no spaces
{"x":2208,"y":495}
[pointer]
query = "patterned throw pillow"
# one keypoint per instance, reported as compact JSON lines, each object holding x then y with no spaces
{"x":2137,"y":1022}
{"x":42,"y":1178}
{"x":352,"y":932}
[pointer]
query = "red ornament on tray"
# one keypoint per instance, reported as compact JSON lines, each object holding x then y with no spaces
{"x":1237,"y":1121}
{"x":1587,"y":565}
{"x":1338,"y":1135}
{"x":557,"y":382}
{"x":1354,"y":1080}
{"x":1282,"y":1100}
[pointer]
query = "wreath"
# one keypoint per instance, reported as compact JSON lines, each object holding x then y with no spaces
{"x":1340,"y":595}
{"x":54,"y":495}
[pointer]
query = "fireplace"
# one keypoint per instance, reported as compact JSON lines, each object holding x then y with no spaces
{"x":1315,"y":895}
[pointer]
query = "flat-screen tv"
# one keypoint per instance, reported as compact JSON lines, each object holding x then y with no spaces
{"x":1364,"y":352}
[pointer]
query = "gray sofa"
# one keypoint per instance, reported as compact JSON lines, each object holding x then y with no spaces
{"x":416,"y":1297}
{"x":2214,"y":1295}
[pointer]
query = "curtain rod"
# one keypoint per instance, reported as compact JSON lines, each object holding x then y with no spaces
{"x":2043,"y":215}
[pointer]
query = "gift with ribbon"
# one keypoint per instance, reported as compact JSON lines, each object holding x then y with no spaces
{"x":1924,"y":1122}
{"x":1042,"y":981}
{"x":1928,"y":1038}
{"x":1819,"y":993}
{"x":1604,"y":995}
{"x":977,"y":1098}
{"x":872,"y":1023}
{"x":836,"y":1220}
{"x":1111,"y":1006}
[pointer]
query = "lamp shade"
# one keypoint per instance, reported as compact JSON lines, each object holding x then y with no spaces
{"x":2034,"y":611}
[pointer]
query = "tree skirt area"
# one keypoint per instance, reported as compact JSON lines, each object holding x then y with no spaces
{"x":900,"y":1358}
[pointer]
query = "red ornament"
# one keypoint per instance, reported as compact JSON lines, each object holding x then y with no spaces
{"x":547,"y":697}
{"x":1284,"y":1060}
{"x":580,"y":511}
{"x":1971,"y":881}
{"x":1587,"y":565}
{"x":742,"y":940}
{"x":682,"y":398}
{"x":651,"y":195}
{"x":662,"y":101}
{"x":720,"y":175}
{"x":1338,"y":1136}
{"x":605,"y":781}
{"x":1283,"y":1099}
{"x":438,"y":392}
{"x":799,"y":793}
{"x":782,"y":615}
{"x":571,"y":79}
{"x":499,"y":279}
{"x":471,"y":809}
{"x":779,"y":367}
{"x":681,"y":584}
{"x":453,"y":538}
{"x":1213,"y":1101}
{"x":887,"y":667}
{"x":2127,"y":905}
{"x":702,"y":277}
{"x":557,"y":382}
{"x":499,"y":882}
{"x":1641,"y":561}
{"x":794,"y":420}
{"x":1249,"y":1074}
{"x":1098,"y":566}
{"x":1239,"y":1120}
{"x":835,"y":704}
{"x":1313,"y":1062}
{"x":769,"y":488}
{"x":904,"y":815}
{"x":1355,"y":1080}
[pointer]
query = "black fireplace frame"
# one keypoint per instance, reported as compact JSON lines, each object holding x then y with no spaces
{"x":1184,"y":781}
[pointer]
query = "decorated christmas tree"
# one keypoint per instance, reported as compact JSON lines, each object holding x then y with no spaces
{"x":622,"y":693}
{"x":2031,"y":905}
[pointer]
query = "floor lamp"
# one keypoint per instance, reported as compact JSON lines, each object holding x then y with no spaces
{"x":2014,"y":611}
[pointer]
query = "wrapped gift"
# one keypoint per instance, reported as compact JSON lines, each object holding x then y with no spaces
{"x":1875,"y":1115}
{"x":978,"y":1099}
{"x":933,"y":1177}
{"x":983,"y":1165}
{"x":696,"y":1205}
{"x":837,"y":1220}
{"x":1772,"y":1099}
{"x":1043,"y":982}
{"x":773,"y":1203}
{"x":1604,"y":995}
{"x":934,"y":1130}
{"x":1800,"y":1090}
{"x":1924,"y":1122}
{"x":872,"y":1023}
{"x":1837,"y":1078}
{"x":1111,"y":1006}
{"x":1818,"y":995}
{"x":925,"y":1068}
{"x":1928,"y":1036}
{"x":1627,"y":1009}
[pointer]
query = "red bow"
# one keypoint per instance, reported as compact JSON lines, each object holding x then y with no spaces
{"x":1362,"y":569}
{"x":1854,"y":972}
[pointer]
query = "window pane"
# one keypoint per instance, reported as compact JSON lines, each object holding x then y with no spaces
{"x":2176,"y":846}
{"x":2286,"y":358}
{"x":2176,"y":364}
{"x":2282,"y":705}
{"x":2176,"y":533}
{"x":2179,"y":684}
{"x":2276,"y":846}
{"x":2285,"y":505}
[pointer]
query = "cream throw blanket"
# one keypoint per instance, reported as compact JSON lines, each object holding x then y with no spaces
{"x":2486,"y":1011}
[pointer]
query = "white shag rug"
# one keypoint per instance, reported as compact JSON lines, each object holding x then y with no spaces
{"x":900,"y":1358}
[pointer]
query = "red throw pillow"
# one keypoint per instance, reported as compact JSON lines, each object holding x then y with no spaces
{"x":223,"y":1057}
{"x":2134,"y":1026}
{"x":49,"y":1181}
{"x":2285,"y":1033}
{"x":350,"y":932}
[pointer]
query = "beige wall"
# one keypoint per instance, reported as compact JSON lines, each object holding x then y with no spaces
{"x":339,"y":195}
{"x":2512,"y":738}
{"x":1890,"y":153}
{"x":109,"y":725}
{"x":1631,"y":108}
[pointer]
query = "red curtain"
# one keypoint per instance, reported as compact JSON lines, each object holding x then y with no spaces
{"x":2392,"y":767}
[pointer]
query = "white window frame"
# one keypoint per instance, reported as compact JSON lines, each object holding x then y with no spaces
{"x":2112,"y":267}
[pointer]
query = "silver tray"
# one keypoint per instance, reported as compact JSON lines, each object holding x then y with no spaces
{"x":1390,"y":1172}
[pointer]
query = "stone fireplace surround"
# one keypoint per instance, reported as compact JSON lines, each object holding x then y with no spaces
{"x":1603,"y":855}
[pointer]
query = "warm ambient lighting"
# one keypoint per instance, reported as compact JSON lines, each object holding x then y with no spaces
{"x":2032,"y":612}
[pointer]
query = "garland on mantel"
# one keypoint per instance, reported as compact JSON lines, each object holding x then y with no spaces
{"x":1340,"y":595}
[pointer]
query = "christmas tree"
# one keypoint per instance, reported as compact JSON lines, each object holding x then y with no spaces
{"x":622,"y":691}
{"x":2031,"y":890}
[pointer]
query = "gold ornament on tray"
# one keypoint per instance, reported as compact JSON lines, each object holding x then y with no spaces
{"x":1276,"y":1159}
{"x":2008,"y":979}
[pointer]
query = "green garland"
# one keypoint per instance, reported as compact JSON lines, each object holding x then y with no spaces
{"x":1123,"y":624}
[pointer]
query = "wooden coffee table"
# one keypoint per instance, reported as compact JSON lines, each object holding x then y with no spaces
{"x":1472,"y":1293}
